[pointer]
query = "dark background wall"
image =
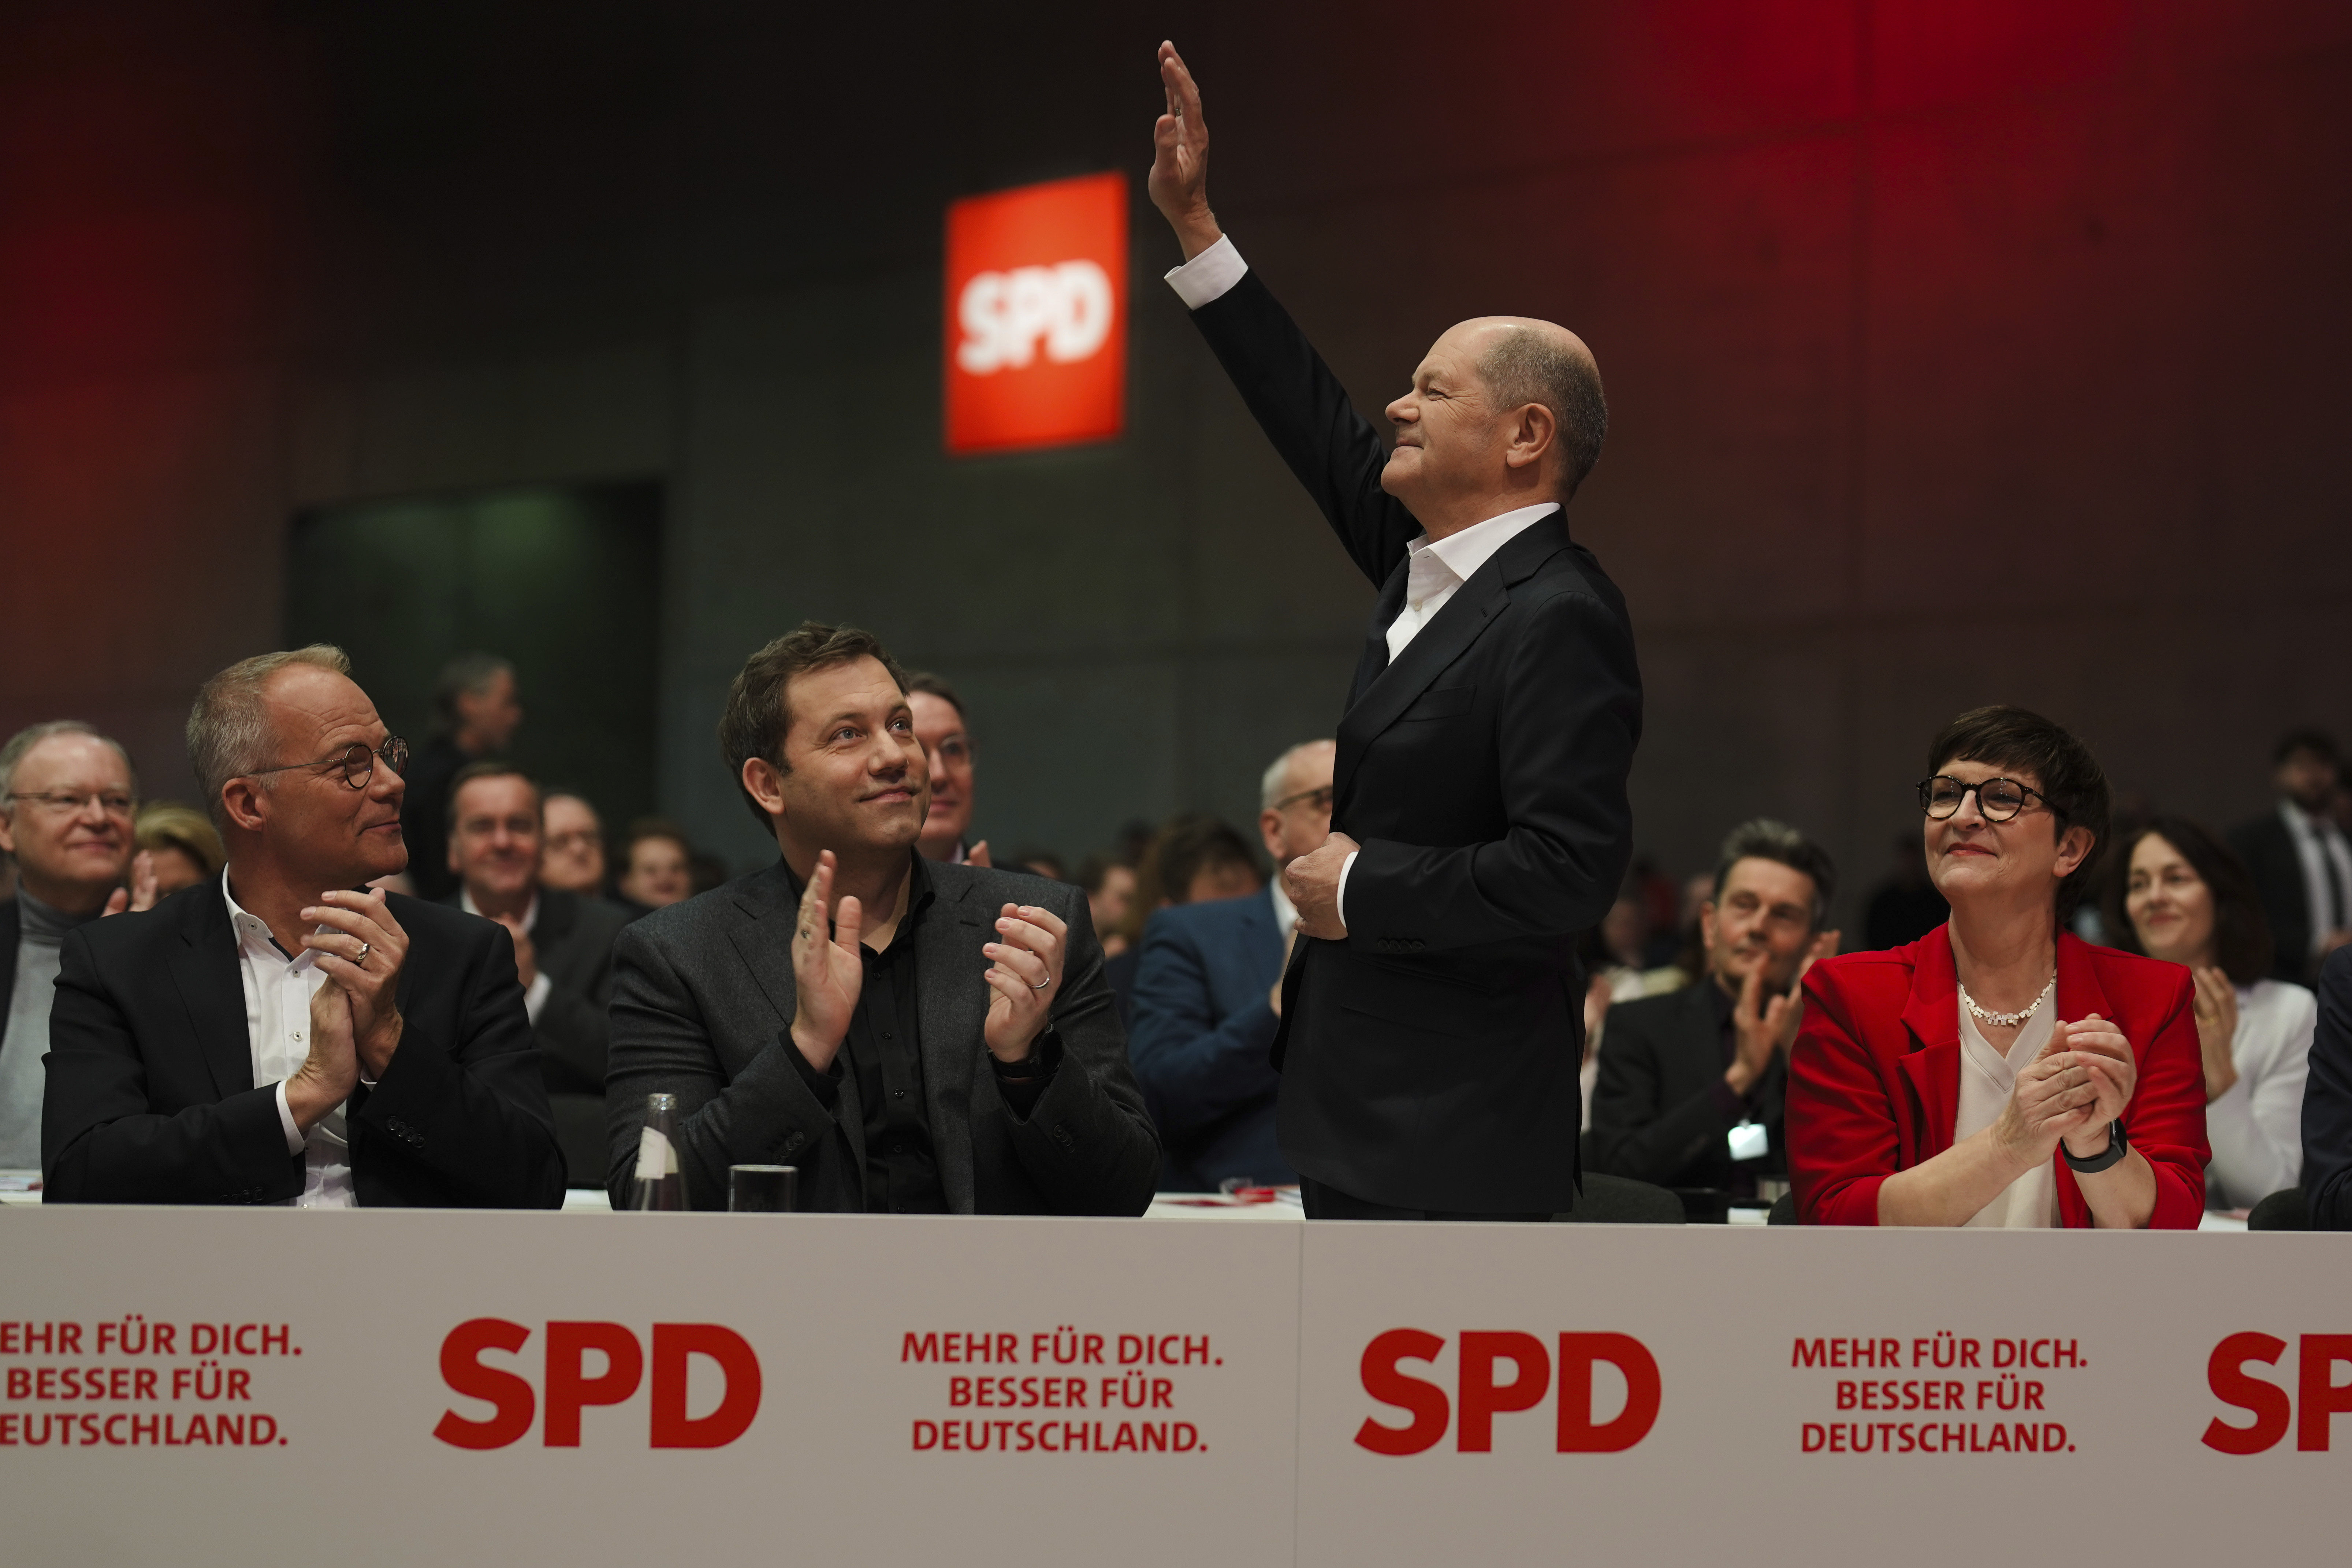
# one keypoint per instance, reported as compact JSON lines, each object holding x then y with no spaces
{"x":1955,"y":353}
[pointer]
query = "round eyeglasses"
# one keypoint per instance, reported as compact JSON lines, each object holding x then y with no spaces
{"x":1997,"y":799}
{"x":357,"y":760}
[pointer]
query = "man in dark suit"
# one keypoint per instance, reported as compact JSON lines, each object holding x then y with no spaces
{"x":2327,"y":1101}
{"x":1205,"y":992}
{"x":475,"y":699}
{"x":563,"y":942}
{"x":2300,"y":860}
{"x":285,"y":1034}
{"x":916,"y":1036}
{"x":1691,"y":1082}
{"x":1429,"y":1045}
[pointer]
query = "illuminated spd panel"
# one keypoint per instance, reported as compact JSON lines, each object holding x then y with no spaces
{"x":1036,"y":315}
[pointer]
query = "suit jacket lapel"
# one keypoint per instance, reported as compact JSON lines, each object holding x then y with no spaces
{"x":1440,"y":643}
{"x":763,"y":939}
{"x":1932,"y":1015}
{"x":204,"y":968}
{"x":951,"y":1010}
{"x":1375,"y":656}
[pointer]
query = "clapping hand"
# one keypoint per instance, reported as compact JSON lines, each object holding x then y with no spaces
{"x":2216,"y":1007}
{"x":828,"y":971}
{"x":1025,"y":972}
{"x":139,"y":894}
{"x":360,"y":953}
{"x":2080,"y":1082}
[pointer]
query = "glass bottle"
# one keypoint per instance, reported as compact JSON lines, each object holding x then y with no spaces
{"x":659,"y":1184}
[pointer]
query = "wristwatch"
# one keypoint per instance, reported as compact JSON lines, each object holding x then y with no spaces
{"x":2117,"y":1147}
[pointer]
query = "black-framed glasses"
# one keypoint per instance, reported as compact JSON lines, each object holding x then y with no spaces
{"x":357,"y":760}
{"x":1321,"y":797}
{"x":1997,"y":799}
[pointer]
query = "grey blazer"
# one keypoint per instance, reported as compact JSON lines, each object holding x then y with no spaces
{"x":702,"y":1003}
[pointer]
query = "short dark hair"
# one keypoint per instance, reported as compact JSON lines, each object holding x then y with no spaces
{"x":2071,"y":781}
{"x":1186,"y":844}
{"x":1761,"y":839}
{"x":2319,"y":743}
{"x":923,"y":680}
{"x":487,"y":768}
{"x":468,"y":675}
{"x":2241,"y":932}
{"x":1527,"y":364}
{"x":755,"y":719}
{"x":1096,"y":869}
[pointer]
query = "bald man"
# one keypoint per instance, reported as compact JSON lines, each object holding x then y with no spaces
{"x":1431,"y":1022}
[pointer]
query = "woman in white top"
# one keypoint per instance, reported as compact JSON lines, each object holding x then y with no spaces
{"x":2184,"y":898}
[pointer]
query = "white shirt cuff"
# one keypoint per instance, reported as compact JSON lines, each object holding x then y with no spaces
{"x":1207,"y":275}
{"x":1340,"y":898}
{"x":536,"y":997}
{"x":286,"y":1121}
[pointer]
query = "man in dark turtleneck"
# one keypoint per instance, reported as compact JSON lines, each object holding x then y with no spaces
{"x":66,"y":793}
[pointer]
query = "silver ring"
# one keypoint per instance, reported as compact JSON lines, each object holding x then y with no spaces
{"x":1043,"y":984}
{"x":365,"y":948}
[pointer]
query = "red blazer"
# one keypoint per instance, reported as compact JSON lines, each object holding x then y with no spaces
{"x":1875,"y":1074}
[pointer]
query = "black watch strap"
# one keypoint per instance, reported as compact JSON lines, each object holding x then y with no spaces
{"x":2117,"y":1147}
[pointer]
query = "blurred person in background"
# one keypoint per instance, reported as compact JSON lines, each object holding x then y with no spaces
{"x":479,"y":714}
{"x":563,"y":946}
{"x":1110,"y":882}
{"x":2327,"y":1101}
{"x":2300,"y":858}
{"x":1692,"y":1083}
{"x":1905,"y":907}
{"x":1042,"y":863}
{"x":181,"y":845}
{"x":1193,"y":857}
{"x":952,"y":754}
{"x":705,"y":872}
{"x":67,"y":795}
{"x":276,"y":1037}
{"x":657,"y":865}
{"x":2185,"y":899}
{"x":571,"y":855}
{"x":1208,"y":998}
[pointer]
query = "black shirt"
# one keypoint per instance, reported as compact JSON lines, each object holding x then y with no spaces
{"x":884,"y":1049}
{"x":1748,"y":1107}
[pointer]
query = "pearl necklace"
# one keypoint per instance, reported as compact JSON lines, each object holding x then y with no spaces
{"x":2009,"y":1020}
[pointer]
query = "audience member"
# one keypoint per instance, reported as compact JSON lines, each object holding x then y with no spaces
{"x":705,"y":872}
{"x":562,"y":947}
{"x":949,"y":748}
{"x":2327,"y":1101}
{"x":67,"y":795}
{"x":341,"y":1095}
{"x":1905,"y":907}
{"x":1110,"y":882}
{"x":1693,"y":1082}
{"x":846,"y":1011}
{"x":1207,"y":996}
{"x":657,"y":865}
{"x":1194,"y":858}
{"x":2185,"y":899}
{"x":181,"y":844}
{"x":1042,"y":863}
{"x":475,"y":699}
{"x":1986,"y":1074}
{"x":2299,"y":858}
{"x":571,"y":858}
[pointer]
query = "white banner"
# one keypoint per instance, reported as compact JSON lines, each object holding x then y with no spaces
{"x":267,"y":1386}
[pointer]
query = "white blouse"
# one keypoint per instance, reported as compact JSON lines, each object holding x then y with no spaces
{"x":1988,"y":1078}
{"x":2256,"y":1129}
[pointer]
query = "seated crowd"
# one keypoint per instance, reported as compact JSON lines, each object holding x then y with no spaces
{"x":356,"y":977}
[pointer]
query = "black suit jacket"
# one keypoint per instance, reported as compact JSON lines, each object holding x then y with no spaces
{"x":574,"y":942}
{"x":2327,"y":1101}
{"x":150,"y":1098}
{"x":2268,"y":849}
{"x":425,"y":816}
{"x":1657,"y":1110}
{"x":1430,"y":1060}
{"x":702,"y":1008}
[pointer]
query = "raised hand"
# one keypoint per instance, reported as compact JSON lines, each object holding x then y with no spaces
{"x":360,"y":952}
{"x":526,"y":951}
{"x":1760,"y":1029}
{"x":828,"y":971}
{"x":1180,"y":159}
{"x":978,"y":855}
{"x":1025,"y":972}
{"x":139,"y":894}
{"x":2216,"y":1006}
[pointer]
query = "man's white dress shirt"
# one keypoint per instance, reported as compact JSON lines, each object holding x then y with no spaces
{"x":535,"y":996}
{"x":1435,"y":571}
{"x":278,"y":991}
{"x":2319,"y":841}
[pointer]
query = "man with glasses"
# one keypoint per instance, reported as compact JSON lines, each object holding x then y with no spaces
{"x":67,"y":795}
{"x":290,"y":1036}
{"x":1208,"y":997}
{"x":950,"y":748}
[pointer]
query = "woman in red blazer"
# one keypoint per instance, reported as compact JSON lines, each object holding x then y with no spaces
{"x":1999,"y":1071}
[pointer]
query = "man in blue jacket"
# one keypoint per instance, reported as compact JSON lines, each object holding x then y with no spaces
{"x":1207,"y":996}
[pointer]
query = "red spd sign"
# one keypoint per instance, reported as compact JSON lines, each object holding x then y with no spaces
{"x":1036,"y":315}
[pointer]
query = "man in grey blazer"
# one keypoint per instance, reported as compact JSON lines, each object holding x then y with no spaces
{"x":916,"y":1036}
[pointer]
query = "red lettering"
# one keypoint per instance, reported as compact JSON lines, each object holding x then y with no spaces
{"x":1481,"y":1397}
{"x":1578,"y":1433}
{"x":509,"y":1395}
{"x":568,"y":1392}
{"x":2318,"y":1395}
{"x":1425,"y":1402}
{"x":738,"y":1366}
{"x":2226,"y":1374}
